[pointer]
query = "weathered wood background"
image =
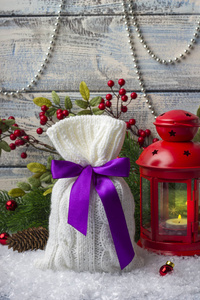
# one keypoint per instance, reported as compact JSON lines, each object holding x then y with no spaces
{"x":92,"y":46}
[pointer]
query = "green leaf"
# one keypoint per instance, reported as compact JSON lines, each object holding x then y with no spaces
{"x":9,"y":122}
{"x":37,"y":175}
{"x":47,"y":192}
{"x":49,"y":159}
{"x":84,"y":112}
{"x":4,"y":146}
{"x":39,"y":101}
{"x":46,"y":177}
{"x":55,"y":98}
{"x":14,"y":127}
{"x":95,"y":101}
{"x":51,"y":111}
{"x":36,"y":167}
{"x":17,"y":192}
{"x":68,"y":103}
{"x":71,"y":115}
{"x":81,"y":104}
{"x":3,"y":127}
{"x":198,"y":112}
{"x":85,"y":93}
{"x":97,"y":111}
{"x":35,"y":182}
{"x":24,"y":186}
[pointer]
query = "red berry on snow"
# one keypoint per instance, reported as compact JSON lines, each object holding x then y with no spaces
{"x":44,"y":108}
{"x":23,"y":155}
{"x":108,"y":97}
{"x":122,"y":92}
{"x":133,"y":95}
{"x":39,"y":130}
{"x":110,"y":83}
{"x":132,"y":122}
{"x":60,"y":116}
{"x":11,"y":117}
{"x":101,"y":106}
{"x":12,"y":146}
{"x":108,"y":104}
{"x":148,"y":132}
{"x":155,"y":140}
{"x":65,"y":112}
{"x":124,"y":98}
{"x":13,"y":137}
{"x":17,"y":132}
{"x":128,"y":125}
{"x":124,"y":109}
{"x":121,"y":82}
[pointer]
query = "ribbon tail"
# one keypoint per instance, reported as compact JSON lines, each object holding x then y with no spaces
{"x":79,"y":201}
{"x":116,"y":219}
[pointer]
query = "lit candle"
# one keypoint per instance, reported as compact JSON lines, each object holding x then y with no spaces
{"x":178,"y":223}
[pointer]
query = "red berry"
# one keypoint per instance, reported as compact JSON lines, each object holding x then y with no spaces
{"x":11,"y":117}
{"x":132,"y":122}
{"x":44,"y":108}
{"x":124,"y":109}
{"x":110,"y":83}
{"x":26,"y":137}
{"x":102,"y":100}
{"x":148,"y":132}
{"x":44,"y":119}
{"x":60,"y":116}
{"x":101,"y":106}
{"x":108,"y":104}
{"x":128,"y":125}
{"x":122,"y":92}
{"x":59,"y":111}
{"x":139,"y":132}
{"x":133,"y":95}
{"x":39,"y":130}
{"x":124,"y":98}
{"x":155,"y":140}
{"x":3,"y":238}
{"x":23,"y":155}
{"x":23,"y":132}
{"x":42,"y":123}
{"x":42,"y":113}
{"x":1,"y":131}
{"x":108,"y":97}
{"x":11,"y":205}
{"x":140,"y":140}
{"x":143,"y":134}
{"x":121,"y":82}
{"x":12,"y":146}
{"x":21,"y":142}
{"x":17,"y":143}
{"x":12,"y":137}
{"x":15,"y":125}
{"x":17,"y":132}
{"x":65,"y":112}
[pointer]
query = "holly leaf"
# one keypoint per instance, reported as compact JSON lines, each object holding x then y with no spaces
{"x":95,"y":101}
{"x":36,"y":167}
{"x":85,"y":93}
{"x":68,"y":103}
{"x":9,"y":122}
{"x":17,"y":192}
{"x":84,"y":112}
{"x":97,"y":111}
{"x":81,"y":103}
{"x":51,"y":111}
{"x":3,"y":127}
{"x":4,"y":146}
{"x":55,"y":98}
{"x":39,"y":101}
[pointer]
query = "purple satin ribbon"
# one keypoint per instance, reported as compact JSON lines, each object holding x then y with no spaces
{"x":80,"y":196}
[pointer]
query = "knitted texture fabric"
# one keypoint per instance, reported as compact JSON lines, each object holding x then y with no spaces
{"x":86,"y":140}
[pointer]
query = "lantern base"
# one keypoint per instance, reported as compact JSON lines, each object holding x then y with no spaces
{"x":170,"y":248}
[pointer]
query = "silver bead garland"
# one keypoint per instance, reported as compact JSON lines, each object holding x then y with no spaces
{"x":46,"y":60}
{"x":129,"y":13}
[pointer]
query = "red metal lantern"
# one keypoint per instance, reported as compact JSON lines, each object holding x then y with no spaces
{"x":170,"y":187}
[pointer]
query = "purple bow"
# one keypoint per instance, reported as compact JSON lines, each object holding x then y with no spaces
{"x":80,"y":195}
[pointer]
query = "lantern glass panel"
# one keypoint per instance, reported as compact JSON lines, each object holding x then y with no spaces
{"x":146,"y":204}
{"x":172,"y":201}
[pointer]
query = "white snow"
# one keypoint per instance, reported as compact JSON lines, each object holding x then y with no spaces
{"x":20,"y":280}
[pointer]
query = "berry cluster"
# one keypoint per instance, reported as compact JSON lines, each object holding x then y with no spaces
{"x":122,"y":107}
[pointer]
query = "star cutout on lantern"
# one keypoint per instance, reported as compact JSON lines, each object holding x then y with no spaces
{"x":188,"y":115}
{"x":155,"y":152}
{"x":187,"y":153}
{"x":172,"y":133}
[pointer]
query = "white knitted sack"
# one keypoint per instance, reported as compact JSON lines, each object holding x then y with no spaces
{"x":86,"y":140}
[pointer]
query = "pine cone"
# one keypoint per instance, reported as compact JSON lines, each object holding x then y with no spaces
{"x":28,"y":239}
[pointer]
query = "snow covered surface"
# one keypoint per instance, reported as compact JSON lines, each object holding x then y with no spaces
{"x":20,"y":280}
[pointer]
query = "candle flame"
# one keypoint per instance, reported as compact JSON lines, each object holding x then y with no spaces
{"x":179,"y":216}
